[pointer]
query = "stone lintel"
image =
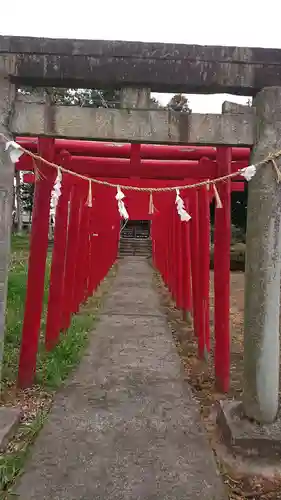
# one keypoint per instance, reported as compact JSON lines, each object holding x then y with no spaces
{"x":234,"y":107}
{"x":163,"y":67}
{"x":131,"y":125}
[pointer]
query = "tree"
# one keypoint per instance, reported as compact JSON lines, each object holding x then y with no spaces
{"x":179,"y":102}
{"x":27,"y":195}
{"x":94,"y":98}
{"x":86,"y":97}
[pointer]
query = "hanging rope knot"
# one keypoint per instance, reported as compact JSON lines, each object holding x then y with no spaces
{"x":184,"y":216}
{"x":121,"y":206}
{"x":56,"y":192}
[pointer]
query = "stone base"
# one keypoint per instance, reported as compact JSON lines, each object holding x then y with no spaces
{"x":9,"y":420}
{"x":246,"y":437}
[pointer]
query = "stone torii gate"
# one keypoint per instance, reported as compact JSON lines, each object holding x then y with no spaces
{"x":138,"y":68}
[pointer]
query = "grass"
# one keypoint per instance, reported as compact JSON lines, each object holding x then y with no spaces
{"x":11,"y":464}
{"x":52,"y":367}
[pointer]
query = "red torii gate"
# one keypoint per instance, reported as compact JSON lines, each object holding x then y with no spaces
{"x":91,"y":236}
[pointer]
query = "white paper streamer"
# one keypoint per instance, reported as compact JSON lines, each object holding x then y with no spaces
{"x":217,"y":197}
{"x":121,"y":207}
{"x":89,"y":202}
{"x":151,"y":205}
{"x":184,"y":216}
{"x":248,"y":172}
{"x":15,"y":151}
{"x":56,"y":192}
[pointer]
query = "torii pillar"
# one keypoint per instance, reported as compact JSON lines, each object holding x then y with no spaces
{"x":262,"y":273}
{"x":247,"y":425}
{"x":7,"y":95}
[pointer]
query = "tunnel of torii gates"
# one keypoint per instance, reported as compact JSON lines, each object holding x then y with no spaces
{"x":86,"y":242}
{"x":86,"y":247}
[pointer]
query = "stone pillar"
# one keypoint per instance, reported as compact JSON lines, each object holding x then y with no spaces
{"x":132,"y":98}
{"x":7,"y":94}
{"x":262,"y":274}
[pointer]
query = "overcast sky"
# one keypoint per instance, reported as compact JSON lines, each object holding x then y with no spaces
{"x":205,"y":22}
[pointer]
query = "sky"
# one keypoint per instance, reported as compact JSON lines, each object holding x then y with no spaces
{"x":204,"y":22}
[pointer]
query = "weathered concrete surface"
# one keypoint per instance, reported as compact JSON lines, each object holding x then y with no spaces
{"x":124,"y":125}
{"x":263,"y":267}
{"x":160,"y":66}
{"x":9,"y":419}
{"x":7,"y":93}
{"x":126,"y":425}
{"x":245,"y":437}
{"x":234,"y":107}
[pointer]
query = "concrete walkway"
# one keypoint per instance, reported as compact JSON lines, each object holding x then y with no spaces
{"x":126,"y":426}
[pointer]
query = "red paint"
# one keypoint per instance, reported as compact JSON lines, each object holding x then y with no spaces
{"x":222,"y":240}
{"x":187,"y":296}
{"x":176,"y":258}
{"x":36,"y":267}
{"x":55,"y":302}
{"x":150,"y":169}
{"x":179,"y":225}
{"x":194,"y":238}
{"x":173,"y":255}
{"x":180,"y":249}
{"x":204,"y":272}
{"x":71,"y":256}
{"x":109,"y":149}
{"x":86,"y":292}
{"x":82,"y":264}
{"x":135,"y":157}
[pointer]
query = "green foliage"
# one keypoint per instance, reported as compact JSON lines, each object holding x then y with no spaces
{"x":86,"y":97}
{"x":19,"y":242}
{"x":11,"y":464}
{"x":94,"y":98}
{"x":53,"y":367}
{"x":179,"y":102}
{"x":27,"y":195}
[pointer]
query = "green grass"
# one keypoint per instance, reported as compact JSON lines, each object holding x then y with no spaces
{"x":11,"y":464}
{"x":20,"y":242}
{"x":52,"y":367}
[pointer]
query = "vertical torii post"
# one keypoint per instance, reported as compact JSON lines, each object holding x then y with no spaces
{"x":263,"y":251}
{"x":36,"y":265}
{"x":7,"y":95}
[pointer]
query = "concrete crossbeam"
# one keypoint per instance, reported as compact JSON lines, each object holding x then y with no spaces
{"x":161,"y":67}
{"x":124,"y":125}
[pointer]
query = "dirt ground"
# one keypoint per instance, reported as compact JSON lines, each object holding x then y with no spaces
{"x":201,"y":376}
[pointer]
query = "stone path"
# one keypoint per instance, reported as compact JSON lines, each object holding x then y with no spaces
{"x":126,"y":426}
